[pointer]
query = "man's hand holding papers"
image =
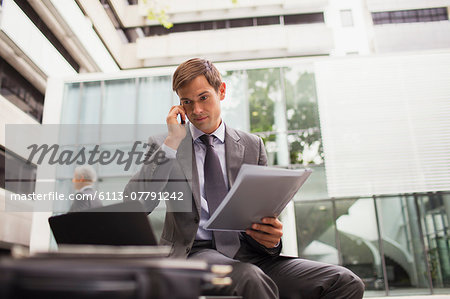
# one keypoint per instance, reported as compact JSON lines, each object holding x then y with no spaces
{"x":267,"y":233}
{"x":258,"y":193}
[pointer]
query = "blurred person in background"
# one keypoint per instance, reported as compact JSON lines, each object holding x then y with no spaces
{"x":84,"y":178}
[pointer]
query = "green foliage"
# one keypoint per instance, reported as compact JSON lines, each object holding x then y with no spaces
{"x":301,"y":102}
{"x":301,"y":111}
{"x":158,"y":13}
{"x":261,"y":83}
{"x":302,"y":115}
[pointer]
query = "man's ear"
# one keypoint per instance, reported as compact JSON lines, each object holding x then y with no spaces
{"x":222,"y":89}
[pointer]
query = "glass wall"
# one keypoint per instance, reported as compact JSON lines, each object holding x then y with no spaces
{"x":404,"y":254}
{"x":279,"y":104}
{"x":435,"y":214}
{"x":397,"y":244}
{"x":283,"y":111}
{"x":128,"y":101}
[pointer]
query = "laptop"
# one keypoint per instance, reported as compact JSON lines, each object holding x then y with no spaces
{"x":109,"y":225}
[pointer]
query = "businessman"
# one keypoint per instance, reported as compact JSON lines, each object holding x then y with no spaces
{"x":209,"y":169}
{"x":84,"y":178}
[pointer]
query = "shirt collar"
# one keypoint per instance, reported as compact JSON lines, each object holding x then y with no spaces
{"x":219,"y":132}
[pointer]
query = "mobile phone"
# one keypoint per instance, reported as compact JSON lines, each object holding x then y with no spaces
{"x":181,"y":119}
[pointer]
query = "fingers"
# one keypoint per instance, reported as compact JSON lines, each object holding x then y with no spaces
{"x":264,"y":236}
{"x":267,"y":240}
{"x":173,"y":113}
{"x":267,"y":233}
{"x":272,"y":221}
{"x":177,"y":131}
{"x":268,"y":230}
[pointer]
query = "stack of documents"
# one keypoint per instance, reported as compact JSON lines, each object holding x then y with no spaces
{"x":258,"y":192}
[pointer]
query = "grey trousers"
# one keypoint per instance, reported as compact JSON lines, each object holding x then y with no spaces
{"x":259,"y":277}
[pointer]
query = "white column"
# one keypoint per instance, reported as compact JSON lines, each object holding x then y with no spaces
{"x":40,"y":229}
{"x":288,"y":215}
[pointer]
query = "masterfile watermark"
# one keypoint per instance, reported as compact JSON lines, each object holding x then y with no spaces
{"x":103,"y":157}
{"x":56,"y":167}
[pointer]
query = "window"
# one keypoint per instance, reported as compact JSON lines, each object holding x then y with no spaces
{"x":346,"y":18}
{"x":241,"y":22}
{"x":16,"y":89}
{"x":233,"y":23}
{"x":267,"y":20}
{"x":410,"y":16}
{"x":207,"y":25}
{"x":303,"y":19}
{"x":185,"y":27}
{"x":220,"y":24}
{"x":16,"y":175}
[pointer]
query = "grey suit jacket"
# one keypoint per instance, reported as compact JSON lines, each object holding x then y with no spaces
{"x":180,"y":228}
{"x":90,"y":201}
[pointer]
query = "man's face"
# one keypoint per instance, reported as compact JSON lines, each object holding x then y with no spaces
{"x":77,"y":182}
{"x":202,"y":103}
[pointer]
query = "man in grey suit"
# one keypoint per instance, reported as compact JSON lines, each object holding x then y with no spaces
{"x":84,"y":178}
{"x":207,"y":155}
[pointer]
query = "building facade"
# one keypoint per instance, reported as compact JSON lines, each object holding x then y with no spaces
{"x":356,"y":90}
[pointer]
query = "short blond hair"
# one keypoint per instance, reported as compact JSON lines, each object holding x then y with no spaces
{"x":191,"y":69}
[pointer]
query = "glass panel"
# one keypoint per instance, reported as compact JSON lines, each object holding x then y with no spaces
{"x":315,"y":188}
{"x":305,"y":147}
{"x":268,"y":112}
{"x":65,"y":171}
{"x":154,"y":100}
{"x":403,"y":250}
{"x":90,"y":103}
{"x":119,"y":104}
{"x":19,"y":176}
{"x":116,"y":169}
{"x":316,"y":231}
{"x":235,"y":107}
{"x":64,"y":186}
{"x":302,"y":116}
{"x":89,"y":111}
{"x":263,"y":89}
{"x":358,"y":237}
{"x":435,"y":211}
{"x":71,"y":103}
{"x":276,"y":149}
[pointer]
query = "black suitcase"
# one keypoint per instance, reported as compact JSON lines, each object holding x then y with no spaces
{"x":36,"y":278}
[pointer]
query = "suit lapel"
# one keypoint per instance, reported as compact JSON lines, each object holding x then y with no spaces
{"x":234,"y":154}
{"x":186,"y":159}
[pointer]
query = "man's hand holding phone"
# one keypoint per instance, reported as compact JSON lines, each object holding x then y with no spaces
{"x":177,"y":131}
